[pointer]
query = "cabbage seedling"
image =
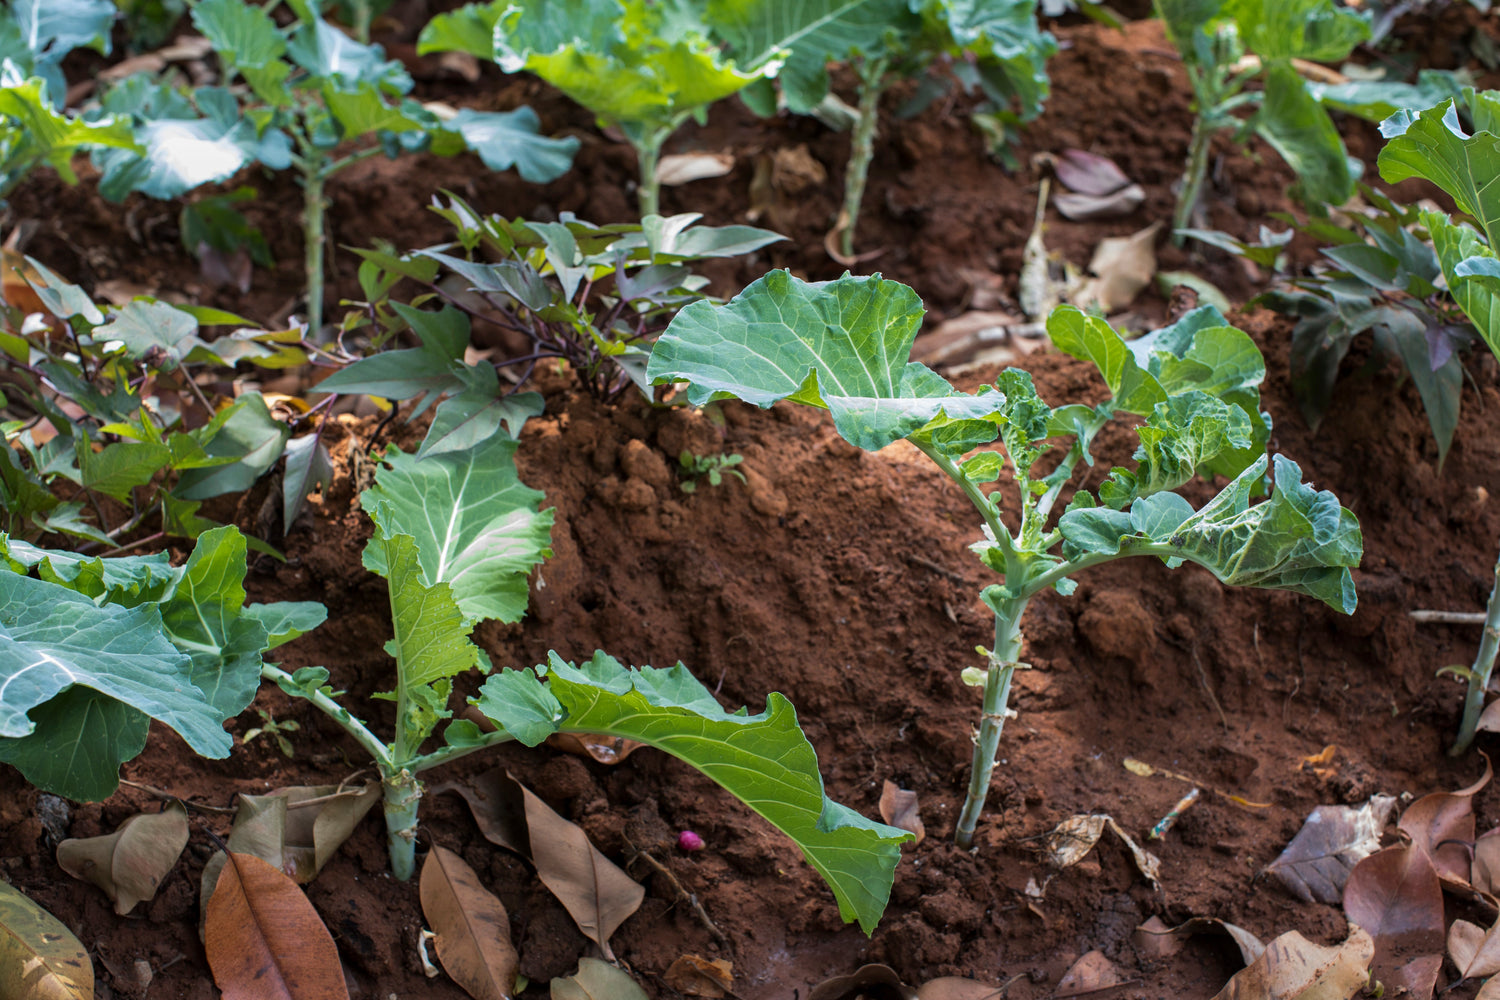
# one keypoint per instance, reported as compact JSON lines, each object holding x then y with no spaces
{"x":843,"y":346}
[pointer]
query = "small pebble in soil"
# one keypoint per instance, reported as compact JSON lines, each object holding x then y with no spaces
{"x":689,"y":841}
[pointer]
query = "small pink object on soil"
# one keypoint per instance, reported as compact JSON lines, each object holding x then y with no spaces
{"x":689,"y":841}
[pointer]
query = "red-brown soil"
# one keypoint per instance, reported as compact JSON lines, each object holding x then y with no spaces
{"x":842,"y":580}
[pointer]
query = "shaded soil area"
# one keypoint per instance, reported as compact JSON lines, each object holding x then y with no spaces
{"x":842,"y":580}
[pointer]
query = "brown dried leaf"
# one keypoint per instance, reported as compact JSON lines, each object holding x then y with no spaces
{"x":1293,"y":968}
{"x":1417,"y":978}
{"x":955,"y":988}
{"x":1474,"y":950}
{"x":696,"y":976}
{"x":958,"y":339}
{"x":1088,"y":207}
{"x":604,"y":749}
{"x":596,"y":980}
{"x":265,"y":941}
{"x":39,"y":956}
{"x":1075,"y":836}
{"x":867,"y":980}
{"x":682,"y":168}
{"x":1442,"y":824}
{"x":898,"y":807}
{"x":1484,"y":873}
{"x":1123,"y":266}
{"x":472,"y":927}
{"x":1154,"y":939}
{"x":597,"y":894}
{"x":1396,"y":896}
{"x":1089,"y":173}
{"x":1091,"y":973}
{"x":131,"y":862}
{"x":1316,"y":864}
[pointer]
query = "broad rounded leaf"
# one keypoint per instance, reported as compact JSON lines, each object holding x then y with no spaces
{"x":39,"y":957}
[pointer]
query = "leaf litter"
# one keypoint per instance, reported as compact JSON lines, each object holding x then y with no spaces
{"x":1316,"y":864}
{"x":471,"y":927}
{"x":130,"y":863}
{"x":1075,"y":836}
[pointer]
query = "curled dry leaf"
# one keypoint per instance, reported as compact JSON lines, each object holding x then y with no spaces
{"x":867,"y":980}
{"x":265,"y":941}
{"x":1475,"y":951}
{"x":1442,"y":824}
{"x":296,"y":829}
{"x":131,"y":862}
{"x":955,"y":988}
{"x":1156,"y":940}
{"x":1089,"y":173}
{"x":898,"y":807}
{"x":39,"y":957}
{"x":1293,"y":968}
{"x":1088,"y":207}
{"x":472,"y":927}
{"x":1091,"y":973}
{"x":1484,"y":872}
{"x":1316,"y":864}
{"x":1416,"y":979}
{"x":696,"y":976}
{"x":604,"y":749}
{"x":596,"y":980}
{"x":1075,"y":836}
{"x":597,"y":894}
{"x":1395,"y":895}
{"x":1122,"y":266}
{"x":683,"y":168}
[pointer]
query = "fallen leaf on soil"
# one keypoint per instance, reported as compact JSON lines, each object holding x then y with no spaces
{"x":1087,"y":207}
{"x":604,"y":749}
{"x":1075,"y":836}
{"x":1144,"y":770}
{"x":955,"y":988}
{"x":131,"y":862}
{"x":695,"y":976}
{"x":296,"y":829}
{"x":1395,"y":895}
{"x":1474,"y":950}
{"x":1484,"y":873}
{"x":1293,"y":968}
{"x":597,"y":894}
{"x":1091,"y":973}
{"x":898,"y":807}
{"x":472,"y":927}
{"x":1442,"y":824}
{"x":1089,"y":173}
{"x":265,"y":941}
{"x":682,"y":168}
{"x":596,"y":980}
{"x":1316,"y":864}
{"x":39,"y":957}
{"x":1417,"y":978}
{"x":1156,"y":939}
{"x":1122,"y":266}
{"x":867,"y":980}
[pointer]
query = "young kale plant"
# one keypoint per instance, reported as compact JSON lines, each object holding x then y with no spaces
{"x":1226,"y":44}
{"x":593,"y":296}
{"x":642,"y":67}
{"x":994,"y":45}
{"x":313,"y":101}
{"x":455,"y":536}
{"x":95,"y":648}
{"x":843,"y":346}
{"x":1383,"y":277}
{"x":1434,"y":145}
{"x":109,"y":403}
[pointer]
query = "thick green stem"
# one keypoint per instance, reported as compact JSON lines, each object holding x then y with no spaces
{"x":403,"y":793}
{"x":862,"y":151}
{"x":1003,"y":663}
{"x":314,"y":204}
{"x":648,"y":154}
{"x":1192,"y":179}
{"x":974,"y":493}
{"x":1479,"y":676}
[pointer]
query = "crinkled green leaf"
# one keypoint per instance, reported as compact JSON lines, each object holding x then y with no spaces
{"x":1456,"y":244}
{"x":1299,"y":540}
{"x":286,"y":620}
{"x":475,"y":524}
{"x":1180,"y":439}
{"x":1377,"y":100}
{"x":329,"y":54}
{"x":37,"y":134}
{"x":122,"y":580}
{"x":842,"y":345}
{"x":1433,"y":145}
{"x":52,"y":638}
{"x":81,"y":739}
{"x":241,"y":33}
{"x":1090,"y":338}
{"x":1316,"y":30}
{"x":202,"y":616}
{"x":1299,"y":129}
{"x":505,"y":139}
{"x":763,"y":760}
{"x":1012,"y":51}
